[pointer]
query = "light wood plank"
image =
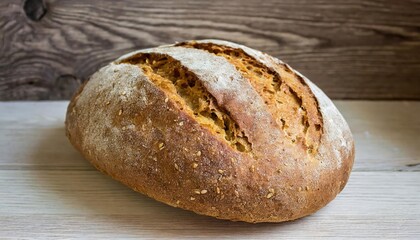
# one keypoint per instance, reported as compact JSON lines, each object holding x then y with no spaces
{"x":49,"y":191}
{"x":386,"y":136}
{"x":32,"y":135}
{"x":74,"y":203}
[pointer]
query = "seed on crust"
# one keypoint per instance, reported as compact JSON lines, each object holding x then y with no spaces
{"x":271,"y":193}
{"x":161,"y":146}
{"x":236,"y":193}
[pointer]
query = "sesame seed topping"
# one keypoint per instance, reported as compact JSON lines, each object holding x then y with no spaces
{"x":197,"y":191}
{"x":236,"y":193}
{"x":195,"y":165}
{"x":192,"y":198}
{"x":176,"y":166}
{"x":307,"y":188}
{"x":120,"y":112}
{"x":204,"y":191}
{"x":300,"y":189}
{"x":181,"y":123}
{"x":199,"y":153}
{"x":155,"y":159}
{"x":220,"y":178}
{"x":217,"y":190}
{"x":252,"y":168}
{"x":220,"y":171}
{"x":107,"y":103}
{"x":270,"y":195}
{"x":177,"y":202}
{"x":123,"y":93}
{"x":161,"y":146}
{"x":166,"y":100}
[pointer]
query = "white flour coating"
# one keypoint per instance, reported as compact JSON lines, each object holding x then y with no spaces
{"x":224,"y":78}
{"x":118,"y":95}
{"x":336,"y":136}
{"x":103,"y":126}
{"x":336,"y":130}
{"x":230,"y":89}
{"x":258,"y":55}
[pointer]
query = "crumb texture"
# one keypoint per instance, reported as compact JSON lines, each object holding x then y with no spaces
{"x":185,"y":89}
{"x":298,"y":117}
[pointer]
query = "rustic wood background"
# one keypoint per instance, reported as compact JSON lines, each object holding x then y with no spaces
{"x":353,"y":49}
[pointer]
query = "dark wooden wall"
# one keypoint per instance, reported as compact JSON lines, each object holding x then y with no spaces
{"x":353,"y":49}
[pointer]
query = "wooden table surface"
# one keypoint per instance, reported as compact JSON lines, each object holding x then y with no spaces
{"x":47,"y":190}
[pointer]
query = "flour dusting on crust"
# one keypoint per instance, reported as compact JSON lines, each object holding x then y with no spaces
{"x":131,"y":129}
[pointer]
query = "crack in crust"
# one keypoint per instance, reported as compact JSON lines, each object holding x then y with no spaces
{"x":185,"y":89}
{"x":281,"y":90}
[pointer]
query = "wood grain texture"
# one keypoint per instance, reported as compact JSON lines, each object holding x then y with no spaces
{"x":60,"y":204}
{"x":48,"y":191}
{"x":352,"y":49}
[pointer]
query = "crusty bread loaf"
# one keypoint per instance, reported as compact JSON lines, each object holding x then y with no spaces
{"x":216,"y":128}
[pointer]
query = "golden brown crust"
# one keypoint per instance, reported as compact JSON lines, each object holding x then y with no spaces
{"x":152,"y":126}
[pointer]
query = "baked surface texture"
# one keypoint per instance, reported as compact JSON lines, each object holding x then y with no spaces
{"x":216,"y":128}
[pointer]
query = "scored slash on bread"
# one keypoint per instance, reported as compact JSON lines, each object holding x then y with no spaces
{"x":216,"y":128}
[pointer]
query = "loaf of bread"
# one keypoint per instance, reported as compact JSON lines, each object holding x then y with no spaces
{"x":216,"y":128}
